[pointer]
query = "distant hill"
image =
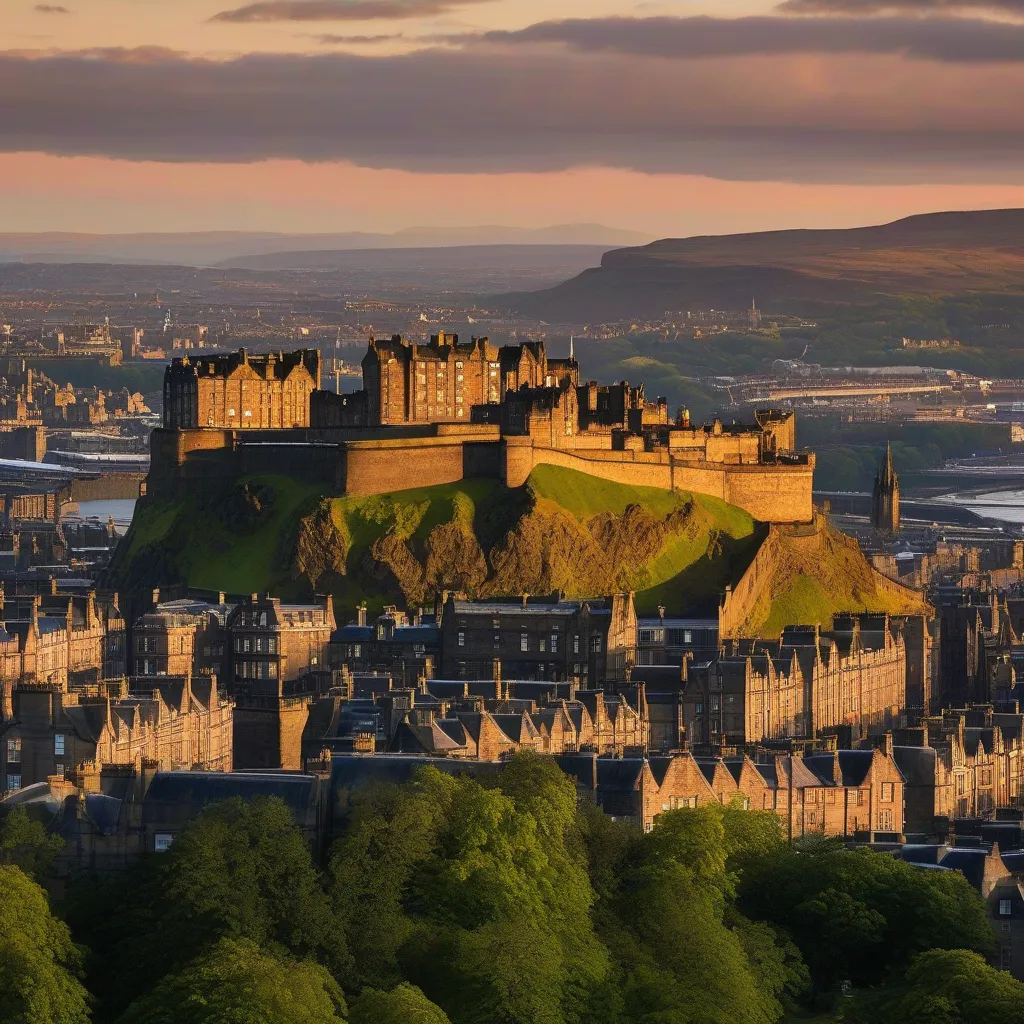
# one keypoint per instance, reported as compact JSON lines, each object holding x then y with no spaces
{"x":209,"y":248}
{"x":931,"y":254}
{"x":540,"y":259}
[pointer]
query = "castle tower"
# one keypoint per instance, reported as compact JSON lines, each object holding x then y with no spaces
{"x":885,"y":497}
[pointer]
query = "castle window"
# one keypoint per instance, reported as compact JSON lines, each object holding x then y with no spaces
{"x":14,"y":751}
{"x":162,"y":842}
{"x":13,"y":781}
{"x":543,"y":645}
{"x":888,"y":791}
{"x":58,"y":745}
{"x":524,"y":642}
{"x":462,"y":639}
{"x":1005,"y":908}
{"x":576,"y":645}
{"x":554,"y":643}
{"x":687,"y":636}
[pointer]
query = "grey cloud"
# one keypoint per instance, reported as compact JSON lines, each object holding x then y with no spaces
{"x":50,"y":9}
{"x":339,"y":10}
{"x":953,"y":40}
{"x":329,"y":39}
{"x":494,"y":109}
{"x":1005,"y":7}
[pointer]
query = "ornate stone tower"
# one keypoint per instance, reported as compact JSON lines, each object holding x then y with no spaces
{"x":885,"y":497}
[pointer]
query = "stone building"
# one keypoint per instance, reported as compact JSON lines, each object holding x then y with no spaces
{"x":481,"y":720}
{"x":844,"y":793}
{"x":807,"y":682}
{"x":885,"y":497}
{"x":50,"y":731}
{"x":182,"y":637}
{"x":965,"y":763}
{"x":441,"y":382}
{"x":391,"y":645}
{"x":241,"y":391}
{"x":274,"y":644}
{"x":590,"y":641}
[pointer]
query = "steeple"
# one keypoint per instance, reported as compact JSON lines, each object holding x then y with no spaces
{"x":885,"y":497}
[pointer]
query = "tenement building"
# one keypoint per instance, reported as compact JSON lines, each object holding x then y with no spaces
{"x":807,"y":682}
{"x":591,"y":642}
{"x":441,"y":382}
{"x":52,"y":731}
{"x":241,"y":391}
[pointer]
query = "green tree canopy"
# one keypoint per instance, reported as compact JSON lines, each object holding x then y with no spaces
{"x":844,"y":909}
{"x":28,"y":844}
{"x":945,"y":986}
{"x":241,"y":870}
{"x":39,"y":964}
{"x":404,"y":1004}
{"x":478,"y":894}
{"x":236,"y":982}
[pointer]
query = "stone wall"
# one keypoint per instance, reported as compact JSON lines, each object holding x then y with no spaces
{"x":360,"y":461}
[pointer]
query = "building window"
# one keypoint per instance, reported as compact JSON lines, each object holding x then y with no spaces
{"x":1005,"y":908}
{"x":162,"y":842}
{"x":576,"y":645}
{"x":13,"y":781}
{"x":524,"y":642}
{"x":58,"y":745}
{"x":14,"y":750}
{"x":58,"y":768}
{"x":462,"y":639}
{"x":888,"y":791}
{"x":554,"y":643}
{"x":595,"y":644}
{"x":497,"y":641}
{"x":542,"y":645}
{"x":699,"y":708}
{"x":687,"y":636}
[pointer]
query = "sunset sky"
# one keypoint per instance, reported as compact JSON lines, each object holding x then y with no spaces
{"x":671,"y":117}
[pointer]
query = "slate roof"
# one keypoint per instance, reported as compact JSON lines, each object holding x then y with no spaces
{"x":916,"y":764}
{"x":177,"y":795}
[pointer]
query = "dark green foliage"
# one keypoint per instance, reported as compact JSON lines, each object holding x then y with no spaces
{"x":236,"y":982}
{"x":28,"y":844}
{"x":39,"y":964}
{"x":404,"y":1004}
{"x":239,"y":871}
{"x":479,"y":895}
{"x":454,"y":901}
{"x":944,"y":987}
{"x":855,"y":915}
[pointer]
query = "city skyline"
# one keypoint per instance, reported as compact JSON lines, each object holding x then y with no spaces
{"x":671,"y":118}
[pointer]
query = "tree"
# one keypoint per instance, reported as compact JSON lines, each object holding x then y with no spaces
{"x":945,"y":986}
{"x":236,"y":982}
{"x":842,"y":907}
{"x":404,"y":1004}
{"x":39,"y":964}
{"x":28,"y":844}
{"x":241,"y":870}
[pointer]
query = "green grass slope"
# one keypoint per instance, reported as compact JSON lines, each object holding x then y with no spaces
{"x":563,"y":530}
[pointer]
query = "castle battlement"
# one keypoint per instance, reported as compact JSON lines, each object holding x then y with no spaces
{"x":608,"y":431}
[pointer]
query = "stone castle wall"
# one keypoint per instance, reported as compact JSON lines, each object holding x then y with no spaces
{"x":365,"y":461}
{"x":770,"y":493}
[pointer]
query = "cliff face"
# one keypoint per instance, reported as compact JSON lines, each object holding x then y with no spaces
{"x":562,"y":531}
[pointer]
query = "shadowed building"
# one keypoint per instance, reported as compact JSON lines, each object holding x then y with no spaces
{"x":885,"y":497}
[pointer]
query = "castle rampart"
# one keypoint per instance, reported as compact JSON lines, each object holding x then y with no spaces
{"x":535,"y":413}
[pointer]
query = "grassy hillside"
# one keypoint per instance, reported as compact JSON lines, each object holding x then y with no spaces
{"x":562,"y":531}
{"x":973,"y":258}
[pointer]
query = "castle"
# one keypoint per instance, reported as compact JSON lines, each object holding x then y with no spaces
{"x":439,"y":413}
